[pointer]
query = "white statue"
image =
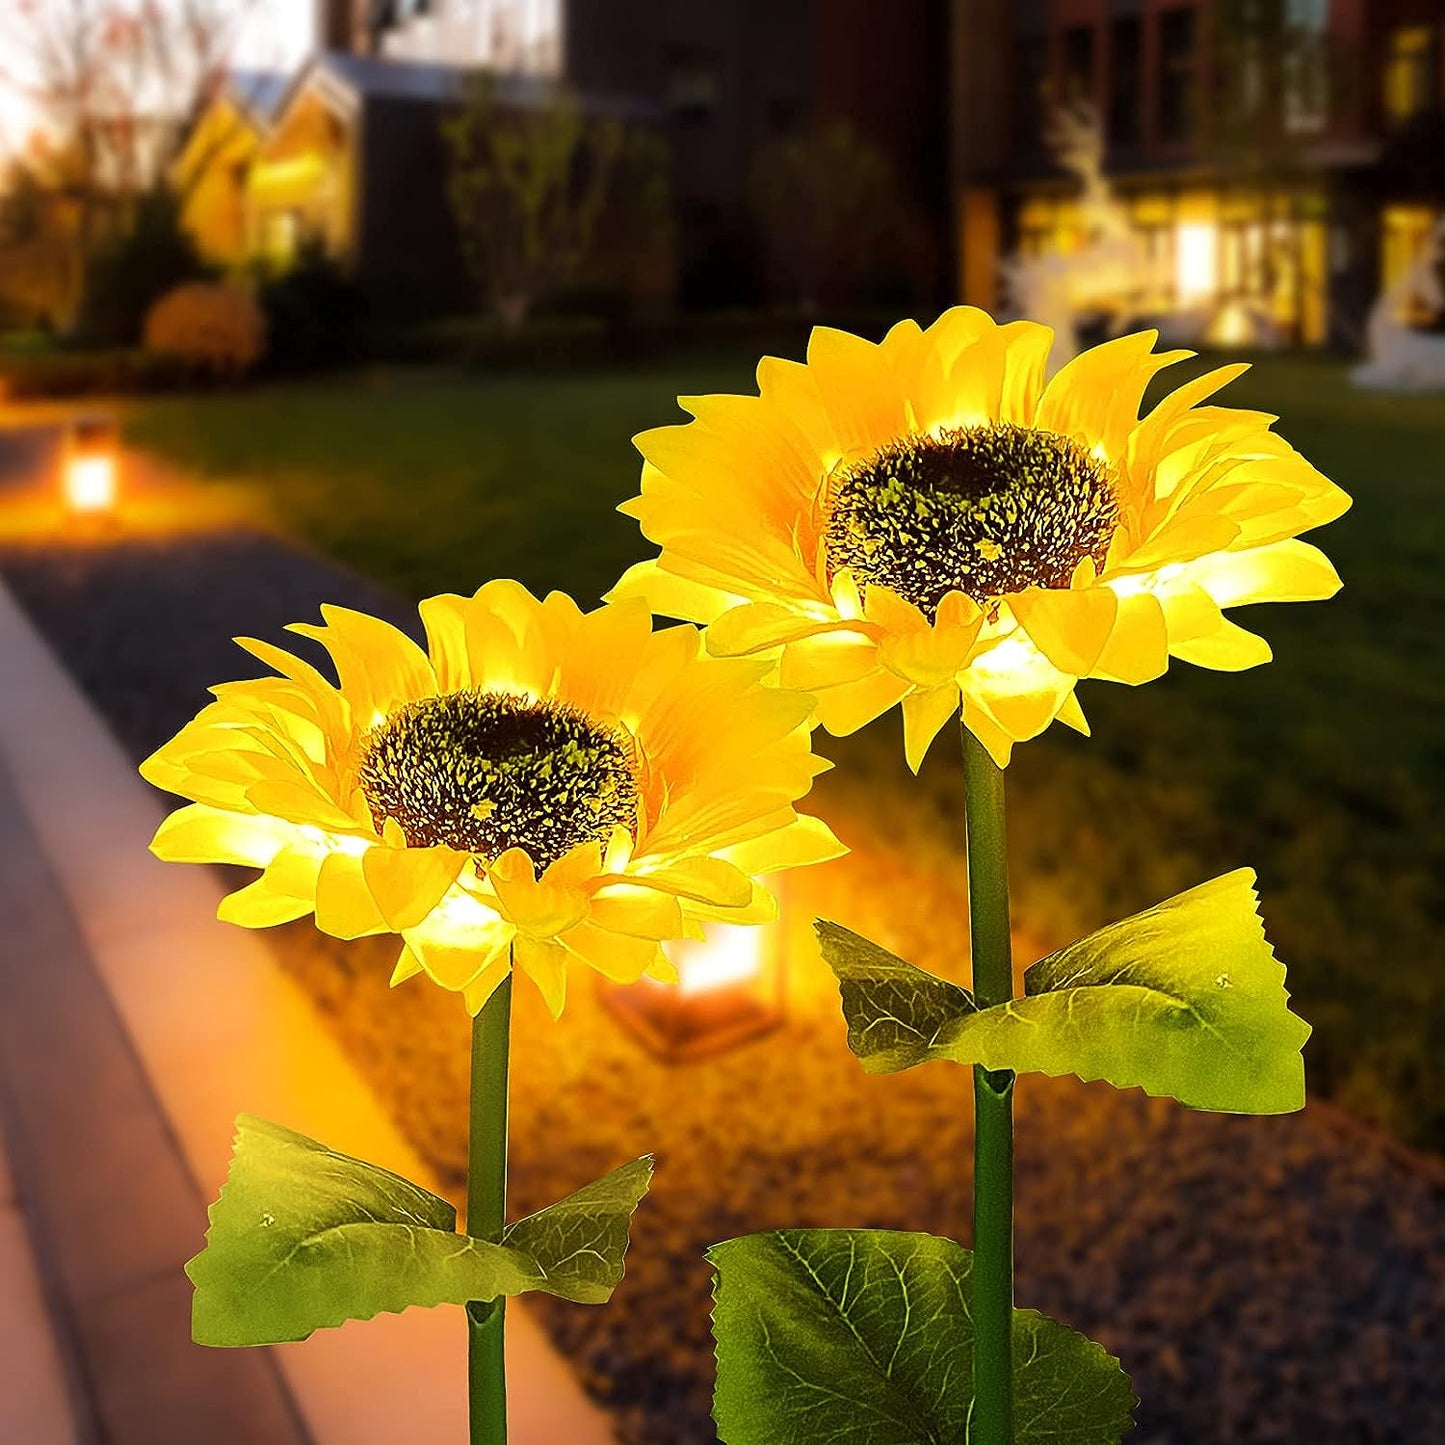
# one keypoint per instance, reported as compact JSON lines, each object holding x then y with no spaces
{"x":1400,"y":357}
{"x":1110,"y":274}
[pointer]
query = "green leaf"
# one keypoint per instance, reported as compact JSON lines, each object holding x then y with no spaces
{"x":578,"y":1243}
{"x":1185,"y":1000}
{"x":303,"y":1238}
{"x":865,"y":1337}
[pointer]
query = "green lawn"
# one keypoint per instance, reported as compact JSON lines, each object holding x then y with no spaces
{"x":1321,"y":770}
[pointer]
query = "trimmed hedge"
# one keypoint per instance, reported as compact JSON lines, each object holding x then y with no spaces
{"x":60,"y":374}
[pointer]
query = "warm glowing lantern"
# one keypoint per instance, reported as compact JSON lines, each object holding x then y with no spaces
{"x":89,"y":471}
{"x":730,"y":989}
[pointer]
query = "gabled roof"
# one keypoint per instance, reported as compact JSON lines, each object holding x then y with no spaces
{"x":259,"y":92}
{"x":356,"y":79}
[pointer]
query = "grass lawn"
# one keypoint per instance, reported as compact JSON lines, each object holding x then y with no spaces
{"x":1321,"y":770}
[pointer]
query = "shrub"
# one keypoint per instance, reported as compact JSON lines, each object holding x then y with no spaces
{"x":825,"y":200}
{"x":215,"y":328}
{"x":553,"y":195}
{"x":59,"y":374}
{"x":125,"y":274}
{"x":315,"y":313}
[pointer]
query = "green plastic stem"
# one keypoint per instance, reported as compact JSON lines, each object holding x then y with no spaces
{"x":487,"y":1212}
{"x":992,"y":1421}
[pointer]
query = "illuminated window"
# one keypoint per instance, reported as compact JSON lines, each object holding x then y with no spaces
{"x":281,"y":236}
{"x":1404,"y":233}
{"x":507,"y":35}
{"x":1409,"y":72}
{"x":1196,"y":272}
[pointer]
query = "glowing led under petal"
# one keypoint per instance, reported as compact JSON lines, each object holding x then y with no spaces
{"x":333,"y":842}
{"x":1014,"y":657}
{"x":465,"y":921}
{"x":619,"y":851}
{"x":1139,"y":583}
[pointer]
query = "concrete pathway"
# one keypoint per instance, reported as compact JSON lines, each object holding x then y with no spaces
{"x":133,"y":1028}
{"x":34,"y":1393}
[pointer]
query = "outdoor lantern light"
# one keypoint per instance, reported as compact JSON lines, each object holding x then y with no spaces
{"x":88,"y":473}
{"x":730,"y":989}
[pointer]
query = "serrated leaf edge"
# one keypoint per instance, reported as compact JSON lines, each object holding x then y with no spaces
{"x":882,"y":1064}
{"x":252,"y":1120}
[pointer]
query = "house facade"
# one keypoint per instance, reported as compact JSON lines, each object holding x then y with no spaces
{"x":721,"y":80}
{"x":1288,"y":157}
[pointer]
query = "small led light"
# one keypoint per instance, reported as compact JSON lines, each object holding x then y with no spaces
{"x":90,"y":483}
{"x":730,"y":989}
{"x":731,"y":955}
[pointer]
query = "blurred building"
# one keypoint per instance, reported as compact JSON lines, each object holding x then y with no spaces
{"x":1285,"y":157}
{"x":348,"y":152}
{"x":347,"y":155}
{"x":726,"y":76}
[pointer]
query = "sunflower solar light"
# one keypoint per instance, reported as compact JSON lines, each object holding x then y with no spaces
{"x":929,"y":522}
{"x":535,"y":790}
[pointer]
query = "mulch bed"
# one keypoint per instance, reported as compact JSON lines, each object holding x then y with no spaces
{"x":1263,"y":1280}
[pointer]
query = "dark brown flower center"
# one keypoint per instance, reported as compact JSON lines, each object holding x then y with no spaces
{"x":985,"y":510}
{"x":487,"y":771}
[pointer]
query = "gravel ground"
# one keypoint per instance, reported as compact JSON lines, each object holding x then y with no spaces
{"x":1263,"y":1280}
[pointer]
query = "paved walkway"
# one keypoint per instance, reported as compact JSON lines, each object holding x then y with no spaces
{"x":114,"y":1213}
{"x":133,"y":1027}
{"x":35,"y":1396}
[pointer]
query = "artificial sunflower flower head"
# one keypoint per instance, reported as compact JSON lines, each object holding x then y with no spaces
{"x":539,"y":786}
{"x":928,"y":521}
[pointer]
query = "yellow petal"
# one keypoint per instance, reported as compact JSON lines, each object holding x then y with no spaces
{"x":988,"y":732}
{"x":258,"y":905}
{"x":618,"y":957}
{"x":1069,"y":626}
{"x":858,"y":389}
{"x":1290,"y":571}
{"x":804,"y":841}
{"x":1095,"y":397}
{"x":827,"y":661}
{"x":1026,"y":356}
{"x":669,"y":595}
{"x":456,"y":960}
{"x":444,"y":618}
{"x":643,"y":912}
{"x":1072,"y":715}
{"x":345,"y":907}
{"x":924,"y":713}
{"x":1138,"y":648}
{"x":1228,"y":648}
{"x":201,"y":834}
{"x":484,"y":984}
{"x":544,"y":961}
{"x":760,"y":625}
{"x":408,"y":965}
{"x":300,"y":802}
{"x":377,"y":665}
{"x":846,"y":708}
{"x":540,"y":907}
{"x":407,"y":883}
{"x":708,"y":880}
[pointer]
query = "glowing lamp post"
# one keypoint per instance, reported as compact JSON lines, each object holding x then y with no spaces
{"x":730,"y":989}
{"x":89,"y":469}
